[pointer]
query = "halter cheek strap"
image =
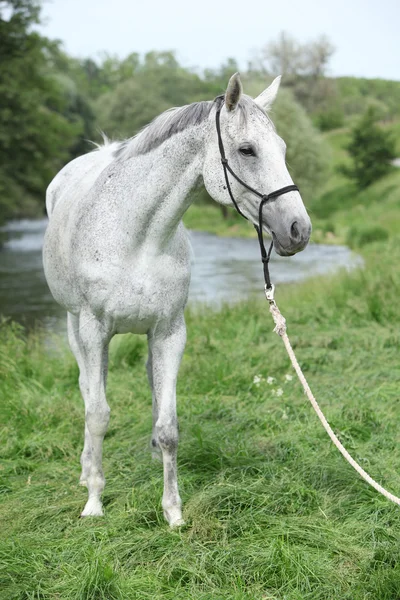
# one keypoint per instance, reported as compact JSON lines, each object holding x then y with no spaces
{"x":265,"y":256}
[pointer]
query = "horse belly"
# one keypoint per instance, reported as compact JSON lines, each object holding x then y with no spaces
{"x":137,"y":303}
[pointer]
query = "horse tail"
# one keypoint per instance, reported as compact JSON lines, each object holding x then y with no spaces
{"x":51,"y":197}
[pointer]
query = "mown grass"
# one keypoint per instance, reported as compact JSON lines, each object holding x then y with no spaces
{"x":272,"y":509}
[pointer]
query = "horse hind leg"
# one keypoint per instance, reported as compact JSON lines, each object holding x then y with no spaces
{"x":92,"y":341}
{"x":74,"y":343}
{"x":154,"y":445}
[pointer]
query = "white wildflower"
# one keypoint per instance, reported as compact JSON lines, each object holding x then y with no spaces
{"x":257,"y":380}
{"x":279,"y":392}
{"x":285,"y":415}
{"x":270,"y":380}
{"x":288,"y":377}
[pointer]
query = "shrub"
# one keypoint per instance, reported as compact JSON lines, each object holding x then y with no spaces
{"x":371,"y":148}
{"x":308,"y":155}
{"x":329,"y":119}
{"x":361,"y":236}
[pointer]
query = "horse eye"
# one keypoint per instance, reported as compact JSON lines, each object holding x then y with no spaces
{"x":247,"y":151}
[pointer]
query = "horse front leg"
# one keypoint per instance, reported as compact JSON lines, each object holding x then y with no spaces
{"x":166,"y":349}
{"x":92,"y":340}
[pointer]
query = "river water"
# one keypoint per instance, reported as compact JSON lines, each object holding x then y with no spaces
{"x":224,"y":270}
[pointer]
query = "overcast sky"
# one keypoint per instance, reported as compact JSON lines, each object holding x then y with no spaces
{"x":206,"y":32}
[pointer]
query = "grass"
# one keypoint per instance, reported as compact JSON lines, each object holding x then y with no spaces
{"x":273,"y":512}
{"x":345,"y":209}
{"x":339,"y":214}
{"x":208,"y":217}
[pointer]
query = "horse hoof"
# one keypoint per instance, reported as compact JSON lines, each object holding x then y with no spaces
{"x":177,"y":523}
{"x":174,"y":517}
{"x":93,"y":508}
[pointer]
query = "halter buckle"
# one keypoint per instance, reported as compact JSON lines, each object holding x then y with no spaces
{"x":269,"y":293}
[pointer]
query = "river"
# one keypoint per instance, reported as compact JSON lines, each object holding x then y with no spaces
{"x":224,"y":270}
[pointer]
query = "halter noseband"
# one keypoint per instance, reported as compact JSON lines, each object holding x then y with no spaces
{"x":265,"y":256}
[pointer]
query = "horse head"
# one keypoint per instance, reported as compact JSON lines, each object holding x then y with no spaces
{"x":256,"y":156}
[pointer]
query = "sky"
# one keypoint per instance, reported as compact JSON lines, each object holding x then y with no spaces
{"x":204,"y":33}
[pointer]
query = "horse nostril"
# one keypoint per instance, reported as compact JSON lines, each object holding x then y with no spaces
{"x":294,"y":231}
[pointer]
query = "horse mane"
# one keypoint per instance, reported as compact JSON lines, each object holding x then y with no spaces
{"x":170,"y":122}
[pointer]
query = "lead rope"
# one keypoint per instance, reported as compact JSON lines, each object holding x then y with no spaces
{"x":280,"y":329}
{"x":280,"y":321}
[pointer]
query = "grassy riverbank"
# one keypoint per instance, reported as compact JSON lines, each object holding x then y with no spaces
{"x":272,"y":509}
{"x":340,"y":215}
{"x":208,"y":217}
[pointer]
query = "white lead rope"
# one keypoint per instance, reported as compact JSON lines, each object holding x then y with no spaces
{"x":280,"y":329}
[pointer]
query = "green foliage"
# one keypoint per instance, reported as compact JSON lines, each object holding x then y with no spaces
{"x":358,"y":237}
{"x":334,"y":200}
{"x":34,"y":134}
{"x":357,"y":93}
{"x":307,"y":154}
{"x":205,"y":215}
{"x":157,"y":83}
{"x":340,"y":100}
{"x":78,"y":110}
{"x":52,"y":104}
{"x":331,"y":117}
{"x":327,"y":100}
{"x":371,"y":149}
{"x":272,"y":510}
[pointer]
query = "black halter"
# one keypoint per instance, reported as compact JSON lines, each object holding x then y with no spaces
{"x":265,"y":256}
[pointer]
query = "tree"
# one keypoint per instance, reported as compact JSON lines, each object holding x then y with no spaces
{"x":307,"y":154}
{"x":283,"y":57}
{"x":288,"y":57}
{"x":316,"y":56}
{"x":157,"y":83}
{"x":34,"y":134}
{"x":303,"y":67}
{"x":371,"y":148}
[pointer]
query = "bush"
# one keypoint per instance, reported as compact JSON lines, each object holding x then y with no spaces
{"x":361,"y":236}
{"x":371,"y":148}
{"x":329,"y":119}
{"x":308,"y":155}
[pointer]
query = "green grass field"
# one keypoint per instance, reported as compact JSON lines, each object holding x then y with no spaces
{"x":273,"y":511}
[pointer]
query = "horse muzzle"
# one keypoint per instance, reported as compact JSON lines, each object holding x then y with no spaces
{"x":294,"y":240}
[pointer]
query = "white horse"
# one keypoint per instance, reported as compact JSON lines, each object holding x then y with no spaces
{"x":117,"y":257}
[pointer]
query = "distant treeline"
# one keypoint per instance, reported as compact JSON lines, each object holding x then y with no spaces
{"x":51,"y":104}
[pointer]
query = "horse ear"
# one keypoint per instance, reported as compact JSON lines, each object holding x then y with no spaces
{"x":267,"y":97}
{"x":233,"y":92}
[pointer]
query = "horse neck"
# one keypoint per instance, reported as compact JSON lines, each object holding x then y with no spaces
{"x":164,"y":179}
